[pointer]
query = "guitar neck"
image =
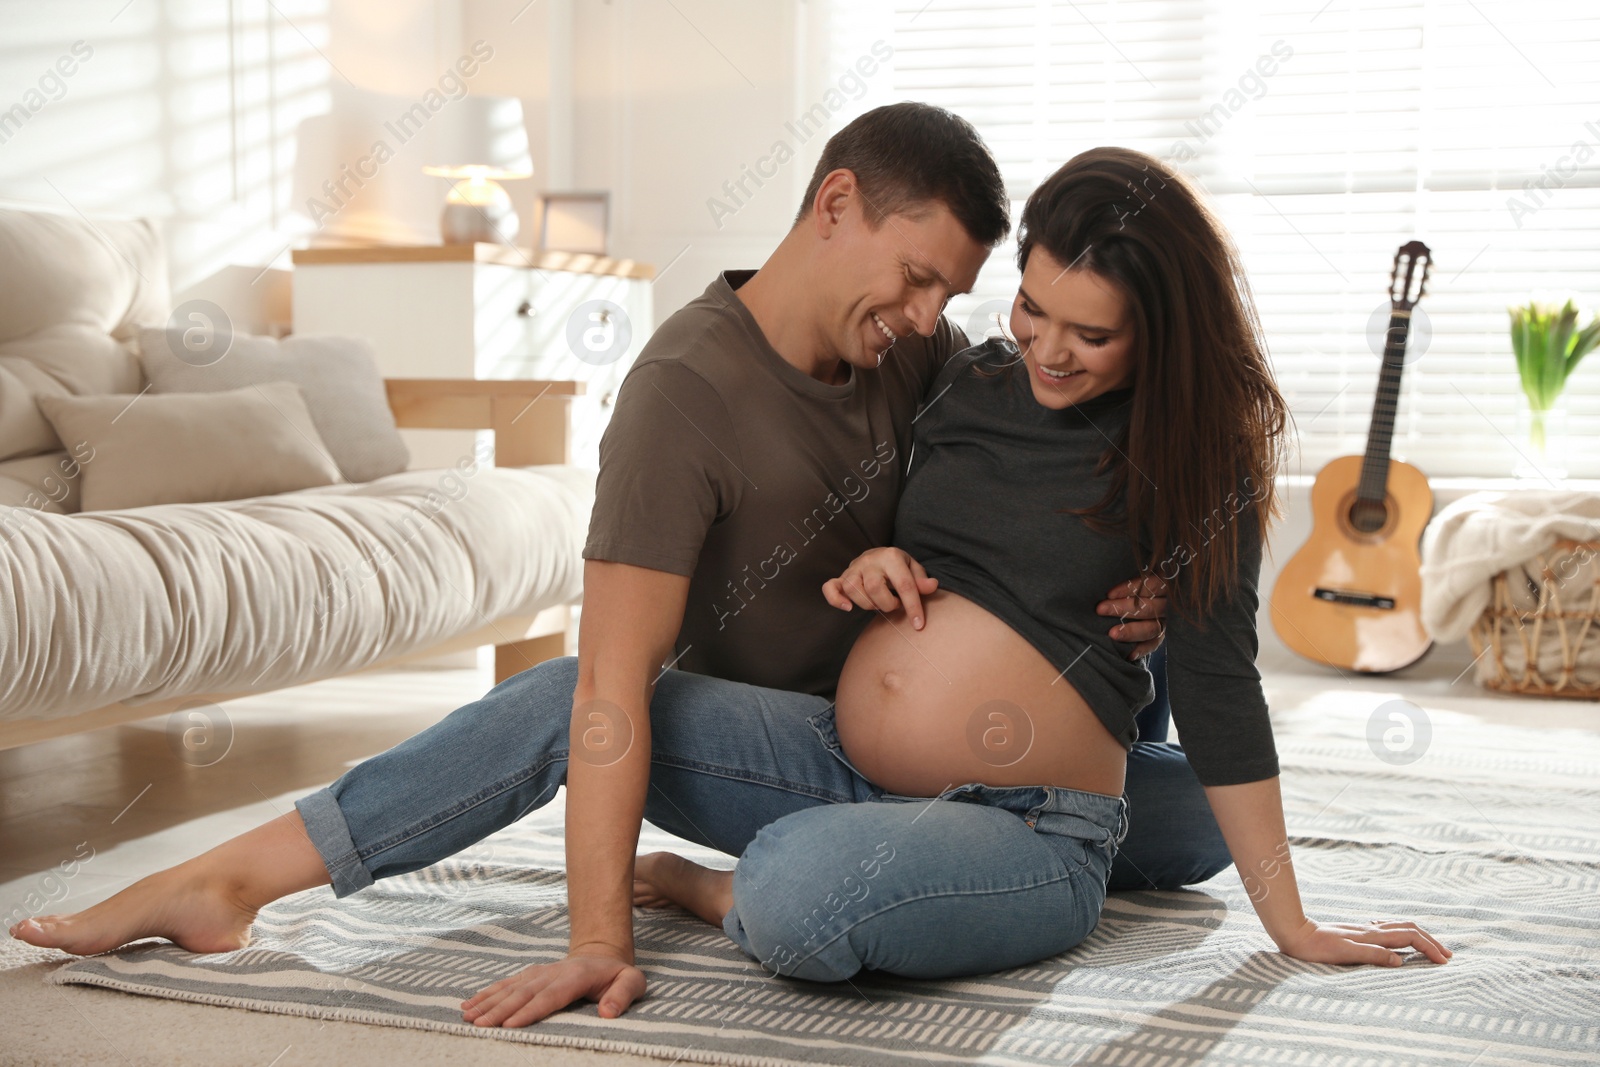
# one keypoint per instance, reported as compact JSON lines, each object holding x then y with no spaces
{"x":1380,"y":438}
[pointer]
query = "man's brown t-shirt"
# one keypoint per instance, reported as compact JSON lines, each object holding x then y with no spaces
{"x":726,"y":464}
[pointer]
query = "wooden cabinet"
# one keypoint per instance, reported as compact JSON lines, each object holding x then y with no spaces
{"x":484,"y":311}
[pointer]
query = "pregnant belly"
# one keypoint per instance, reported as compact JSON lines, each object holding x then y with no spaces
{"x":967,"y":699}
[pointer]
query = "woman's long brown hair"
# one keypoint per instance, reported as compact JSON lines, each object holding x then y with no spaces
{"x":1207,"y":422}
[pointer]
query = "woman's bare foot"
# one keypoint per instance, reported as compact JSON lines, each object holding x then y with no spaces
{"x":662,"y":878}
{"x":204,"y":905}
{"x":178,"y":904}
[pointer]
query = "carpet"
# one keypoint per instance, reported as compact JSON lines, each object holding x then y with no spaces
{"x":1490,"y":839}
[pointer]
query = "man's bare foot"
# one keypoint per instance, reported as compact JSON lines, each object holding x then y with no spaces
{"x":662,"y":878}
{"x":178,"y":904}
{"x":204,"y":905}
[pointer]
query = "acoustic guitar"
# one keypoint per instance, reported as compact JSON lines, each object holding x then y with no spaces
{"x":1351,"y":597}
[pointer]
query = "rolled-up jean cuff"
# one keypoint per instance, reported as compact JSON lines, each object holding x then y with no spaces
{"x":330,"y":836}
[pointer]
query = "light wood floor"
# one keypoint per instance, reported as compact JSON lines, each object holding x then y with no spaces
{"x":125,"y":792}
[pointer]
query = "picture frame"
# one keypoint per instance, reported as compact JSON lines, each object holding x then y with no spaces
{"x":575,"y":222}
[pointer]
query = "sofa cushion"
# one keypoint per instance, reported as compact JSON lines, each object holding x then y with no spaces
{"x":337,"y":375}
{"x":256,"y":594}
{"x":191,"y":447}
{"x":71,"y":295}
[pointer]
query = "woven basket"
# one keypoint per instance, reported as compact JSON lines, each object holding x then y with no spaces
{"x":1541,"y":631}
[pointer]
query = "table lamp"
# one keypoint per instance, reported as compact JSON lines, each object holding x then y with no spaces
{"x":477,"y":208}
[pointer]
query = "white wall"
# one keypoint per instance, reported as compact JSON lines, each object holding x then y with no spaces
{"x":668,"y":103}
{"x":678,"y":105}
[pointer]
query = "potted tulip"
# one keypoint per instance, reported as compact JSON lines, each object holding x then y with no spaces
{"x":1548,"y":346}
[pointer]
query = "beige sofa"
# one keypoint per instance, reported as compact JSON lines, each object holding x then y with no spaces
{"x":116,"y":615}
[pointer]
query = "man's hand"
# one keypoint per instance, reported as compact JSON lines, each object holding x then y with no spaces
{"x":882,"y":579}
{"x":545,"y":988}
{"x":1141,"y":606}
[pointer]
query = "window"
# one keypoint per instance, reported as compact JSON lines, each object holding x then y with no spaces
{"x":1327,"y":134}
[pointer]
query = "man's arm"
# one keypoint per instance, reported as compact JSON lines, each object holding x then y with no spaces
{"x":631,"y":615}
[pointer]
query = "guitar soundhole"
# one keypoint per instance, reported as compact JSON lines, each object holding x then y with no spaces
{"x":1368,"y":516}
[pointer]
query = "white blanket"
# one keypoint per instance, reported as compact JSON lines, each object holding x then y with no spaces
{"x":1483,"y":534}
{"x":250,"y":595}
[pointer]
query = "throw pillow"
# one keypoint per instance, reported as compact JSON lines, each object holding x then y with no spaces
{"x":192,"y":447}
{"x":337,"y":375}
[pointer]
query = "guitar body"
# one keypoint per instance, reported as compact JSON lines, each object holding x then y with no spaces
{"x":1350,"y":598}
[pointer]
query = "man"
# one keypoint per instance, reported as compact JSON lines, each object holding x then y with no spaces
{"x":758,"y":446}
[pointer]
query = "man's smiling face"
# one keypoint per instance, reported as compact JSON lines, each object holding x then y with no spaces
{"x":888,"y":281}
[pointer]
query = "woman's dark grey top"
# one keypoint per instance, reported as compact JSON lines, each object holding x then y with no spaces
{"x":991,"y":471}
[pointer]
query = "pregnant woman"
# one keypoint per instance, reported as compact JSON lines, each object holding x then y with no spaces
{"x":957,"y":808}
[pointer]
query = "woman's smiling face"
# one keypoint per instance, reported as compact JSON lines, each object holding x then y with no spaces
{"x":1075,"y":331}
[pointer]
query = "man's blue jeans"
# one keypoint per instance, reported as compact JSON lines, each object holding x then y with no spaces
{"x":758,"y":773}
{"x":1154,"y":718}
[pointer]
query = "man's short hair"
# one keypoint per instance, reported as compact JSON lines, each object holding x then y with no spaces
{"x":908,"y":154}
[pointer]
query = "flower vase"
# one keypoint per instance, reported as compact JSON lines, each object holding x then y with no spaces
{"x":1542,"y":442}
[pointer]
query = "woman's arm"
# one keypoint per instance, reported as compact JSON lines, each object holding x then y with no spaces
{"x":1251,"y":818}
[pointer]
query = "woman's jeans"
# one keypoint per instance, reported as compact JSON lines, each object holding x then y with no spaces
{"x":835,"y":874}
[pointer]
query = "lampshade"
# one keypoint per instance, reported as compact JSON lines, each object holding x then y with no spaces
{"x":478,"y":172}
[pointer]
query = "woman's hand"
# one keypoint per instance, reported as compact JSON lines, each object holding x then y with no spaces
{"x":1374,"y":942}
{"x":882,"y":579}
{"x":545,"y":988}
{"x":1250,"y":815}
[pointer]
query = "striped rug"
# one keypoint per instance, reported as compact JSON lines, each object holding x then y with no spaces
{"x":1491,"y":840}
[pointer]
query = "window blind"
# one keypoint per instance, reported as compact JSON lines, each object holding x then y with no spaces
{"x":1327,"y":134}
